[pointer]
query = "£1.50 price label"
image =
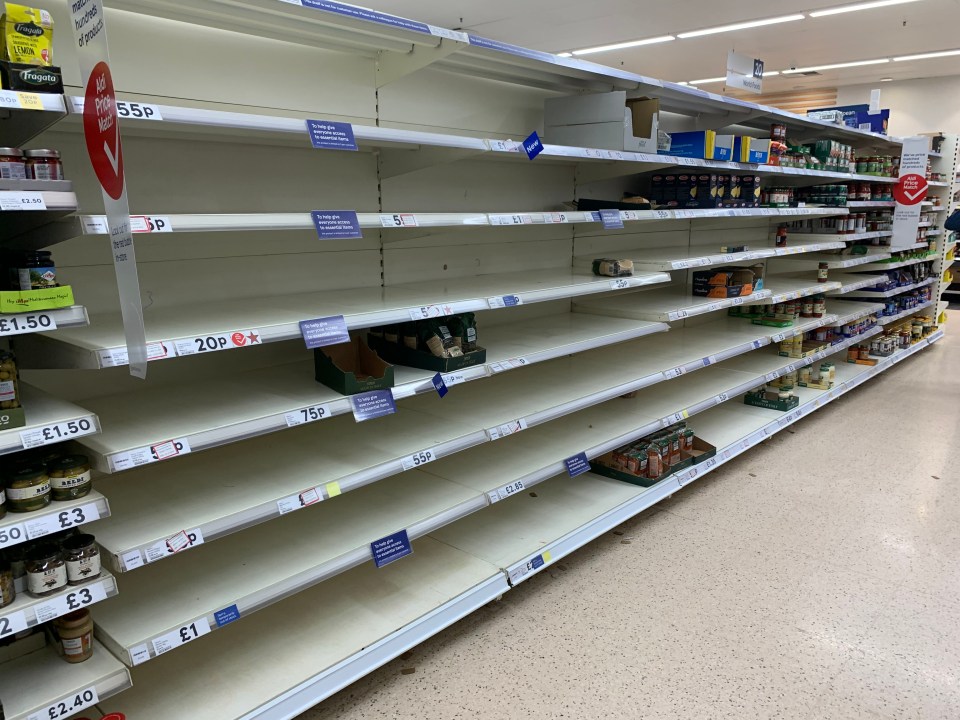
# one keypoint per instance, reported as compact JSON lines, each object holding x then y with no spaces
{"x":69,"y":706}
{"x":31,"y":322}
{"x":181,"y":636}
{"x":12,"y":535}
{"x":57,"y":432}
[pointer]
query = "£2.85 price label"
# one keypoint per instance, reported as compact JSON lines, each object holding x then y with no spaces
{"x":69,"y":706}
{"x":57,"y":432}
{"x":181,"y":636}
{"x":34,"y":322}
{"x":506,"y":491}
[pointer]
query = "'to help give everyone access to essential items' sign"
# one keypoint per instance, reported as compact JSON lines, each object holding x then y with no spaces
{"x":910,"y":191}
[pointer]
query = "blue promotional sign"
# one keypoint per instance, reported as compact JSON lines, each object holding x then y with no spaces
{"x":336,"y":224}
{"x":391,"y":548}
{"x":532,"y":145}
{"x":510,"y":301}
{"x":330,"y":135}
{"x":577,"y":465}
{"x":324,"y":331}
{"x":537,"y":562}
{"x":439,"y":385}
{"x":611,"y":219}
{"x":372,"y":405}
{"x":227,"y":615}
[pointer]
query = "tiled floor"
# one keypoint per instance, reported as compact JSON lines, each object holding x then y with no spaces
{"x":817,"y":576}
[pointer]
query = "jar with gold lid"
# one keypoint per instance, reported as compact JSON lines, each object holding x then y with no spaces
{"x":69,"y":477}
{"x":27,"y":489}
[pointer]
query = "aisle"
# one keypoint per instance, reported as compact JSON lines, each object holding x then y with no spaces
{"x":814,"y":577}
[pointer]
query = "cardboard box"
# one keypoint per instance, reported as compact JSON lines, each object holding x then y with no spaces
{"x":750,"y":190}
{"x":758,"y":152}
{"x":400,"y":354}
{"x":351,"y":368}
{"x":30,"y":78}
{"x":18,"y":301}
{"x":727,"y":282}
{"x":771,"y":401}
{"x":12,"y":418}
{"x":723,"y":148}
{"x":697,"y":144}
{"x":603,"y":120}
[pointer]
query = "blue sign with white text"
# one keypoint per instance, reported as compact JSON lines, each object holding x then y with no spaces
{"x":391,"y":548}
{"x":336,"y":224}
{"x":577,"y":465}
{"x":324,"y":331}
{"x":227,"y":615}
{"x":439,"y":385}
{"x":372,"y":405}
{"x":330,"y":135}
{"x":611,"y":219}
{"x":532,"y":145}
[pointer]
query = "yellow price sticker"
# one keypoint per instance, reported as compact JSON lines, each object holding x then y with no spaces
{"x":333,"y":489}
{"x":30,"y":101}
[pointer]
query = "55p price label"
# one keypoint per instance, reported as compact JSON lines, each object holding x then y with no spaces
{"x":418,"y":458}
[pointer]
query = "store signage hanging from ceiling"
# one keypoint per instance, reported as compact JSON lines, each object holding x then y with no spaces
{"x":744,"y":72}
{"x":101,"y":129}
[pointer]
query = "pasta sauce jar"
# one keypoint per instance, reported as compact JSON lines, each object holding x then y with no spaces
{"x":12,"y":165}
{"x":43,"y":164}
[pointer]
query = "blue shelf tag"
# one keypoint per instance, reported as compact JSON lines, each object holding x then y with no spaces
{"x":324,"y":331}
{"x":227,"y":615}
{"x":537,"y":562}
{"x":611,"y":219}
{"x":336,"y":224}
{"x":532,"y":145}
{"x":577,"y":465}
{"x":372,"y":405}
{"x":510,"y":301}
{"x":391,"y":548}
{"x":329,"y":135}
{"x":440,"y":385}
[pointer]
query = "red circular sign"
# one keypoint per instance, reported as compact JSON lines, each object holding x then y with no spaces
{"x":101,"y":128}
{"x":911,"y":189}
{"x":239,"y":339}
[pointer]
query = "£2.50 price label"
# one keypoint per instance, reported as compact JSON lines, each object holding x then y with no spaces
{"x":22,"y":200}
{"x":181,"y":636}
{"x":69,"y":706}
{"x":33,"y":322}
{"x":12,"y":535}
{"x":57,"y":432}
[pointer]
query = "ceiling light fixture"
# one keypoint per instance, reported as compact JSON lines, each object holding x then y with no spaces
{"x":740,"y":26}
{"x":858,"y":6}
{"x":886,"y":79}
{"x":926,"y":56}
{"x":771,"y":73}
{"x":623,"y":45}
{"x":708,"y":80}
{"x":564,"y":54}
{"x":834,"y":66}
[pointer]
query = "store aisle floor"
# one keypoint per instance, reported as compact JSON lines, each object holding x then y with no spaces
{"x":817,"y":576}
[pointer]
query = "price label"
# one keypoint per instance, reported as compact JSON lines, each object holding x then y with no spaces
{"x":150,"y":454}
{"x":29,"y":101}
{"x":23,"y":200}
{"x":674,"y":373}
{"x":418,"y":458}
{"x":307,"y":415}
{"x":181,"y":636}
{"x":511,"y":219}
{"x":117,"y":357}
{"x":220,"y":341}
{"x":138,"y":111}
{"x":12,"y":535}
{"x":150,"y":224}
{"x":506,"y":491}
{"x":57,"y":432}
{"x":709,"y":360}
{"x":789,"y":369}
{"x":504,"y":301}
{"x":71,"y":601}
{"x":780,"y":337}
{"x":175,"y":543}
{"x":681,"y":264}
{"x":448,"y":34}
{"x":721,"y":398}
{"x":399,"y":220}
{"x":676,"y":418}
{"x":619,"y":284}
{"x":426,"y":312}
{"x":12,"y":623}
{"x":131,"y":560}
{"x":661,"y":214}
{"x":787,"y":419}
{"x":678,"y":315}
{"x":504,"y":145}
{"x":68,"y":706}
{"x":303,"y":499}
{"x":56,"y":521}
{"x":506,"y":429}
{"x":532,"y":565}
{"x":686,"y":214}
{"x":32,"y":322}
{"x":557,"y":217}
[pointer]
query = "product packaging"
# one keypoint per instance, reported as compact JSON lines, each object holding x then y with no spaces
{"x":351,"y":368}
{"x":26,"y":35}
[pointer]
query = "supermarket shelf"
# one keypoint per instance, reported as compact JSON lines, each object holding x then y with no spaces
{"x":850,"y":282}
{"x":881,"y":266}
{"x":403,"y":604}
{"x":854,"y":204}
{"x":19,"y":124}
{"x":842,"y":237}
{"x":847,"y":311}
{"x":838,"y":262}
{"x":49,"y":420}
{"x":16,"y":528}
{"x":28,"y":611}
{"x":937,"y":183}
{"x":40,"y":680}
{"x":667,"y":305}
{"x":178,"y":331}
{"x":783,"y":288}
{"x":41,"y":185}
{"x":886,"y":320}
{"x":260,"y":402}
{"x":894,"y":291}
{"x":43,"y":321}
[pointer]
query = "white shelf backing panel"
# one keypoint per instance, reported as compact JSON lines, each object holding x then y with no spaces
{"x":837,"y":262}
{"x":288,"y":657}
{"x":262,"y":401}
{"x":848,"y":311}
{"x":667,"y":305}
{"x":245,"y":571}
{"x":894,"y":291}
{"x":49,"y":420}
{"x":857,"y":204}
{"x":850,"y":282}
{"x":882,"y":266}
{"x":783,"y":288}
{"x":28,"y":611}
{"x":274,"y":319}
{"x":42,"y":679}
{"x":25,"y":115}
{"x":16,"y":528}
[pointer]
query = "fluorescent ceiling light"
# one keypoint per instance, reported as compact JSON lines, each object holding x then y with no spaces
{"x":925,"y":56}
{"x":708,"y":80}
{"x":740,"y":26}
{"x":886,"y":79}
{"x":858,"y":6}
{"x":621,"y":46}
{"x":564,"y":54}
{"x":835,"y":66}
{"x":771,"y":73}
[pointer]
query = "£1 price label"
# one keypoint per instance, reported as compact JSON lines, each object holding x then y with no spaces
{"x":32,"y":322}
{"x":69,"y":706}
{"x":181,"y":636}
{"x":418,"y":458}
{"x":57,"y":432}
{"x":307,"y":415}
{"x":219,"y":341}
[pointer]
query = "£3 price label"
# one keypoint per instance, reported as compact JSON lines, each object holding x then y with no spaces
{"x":68,"y":706}
{"x":34,"y":322}
{"x":56,"y":433}
{"x":181,"y":636}
{"x":71,"y":602}
{"x":57,"y":521}
{"x":418,"y":458}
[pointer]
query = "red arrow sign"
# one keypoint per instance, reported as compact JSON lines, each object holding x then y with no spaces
{"x":102,"y":130}
{"x":911,"y":190}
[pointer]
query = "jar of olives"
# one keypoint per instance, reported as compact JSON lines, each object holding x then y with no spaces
{"x":28,"y":489}
{"x":69,"y":477}
{"x":46,"y":570}
{"x":9,"y":385}
{"x":7,"y":591}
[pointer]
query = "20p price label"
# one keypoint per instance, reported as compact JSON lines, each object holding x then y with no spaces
{"x":68,"y":706}
{"x":181,"y":636}
{"x":32,"y":322}
{"x":57,"y":432}
{"x":418,"y":458}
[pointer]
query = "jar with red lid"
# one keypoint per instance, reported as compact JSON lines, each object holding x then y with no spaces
{"x":12,"y":164}
{"x":44,"y":164}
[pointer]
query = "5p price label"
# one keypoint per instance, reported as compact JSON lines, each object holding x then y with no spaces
{"x":307,"y":415}
{"x":33,"y":322}
{"x":418,"y":458}
{"x":399,"y":220}
{"x":69,"y":706}
{"x":57,"y":432}
{"x":181,"y":636}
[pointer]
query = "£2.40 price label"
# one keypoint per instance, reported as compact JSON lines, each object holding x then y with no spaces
{"x":69,"y":706}
{"x":57,"y":432}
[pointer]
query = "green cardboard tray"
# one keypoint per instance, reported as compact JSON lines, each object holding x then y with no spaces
{"x":400,"y":354}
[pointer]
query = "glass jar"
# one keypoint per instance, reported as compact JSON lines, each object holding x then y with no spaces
{"x":33,"y":270}
{"x":28,"y":489}
{"x":70,"y":477}
{"x":43,"y":164}
{"x":8,"y":592}
{"x":82,"y":557}
{"x":9,"y":382}
{"x":785,"y":392}
{"x":12,"y":165}
{"x":75,"y":631}
{"x":46,"y":570}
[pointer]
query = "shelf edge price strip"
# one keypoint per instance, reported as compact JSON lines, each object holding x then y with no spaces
{"x":67,"y":707}
{"x":77,"y":598}
{"x":307,"y":415}
{"x":308,"y":497}
{"x":506,"y":429}
{"x":506,"y":491}
{"x":54,"y":522}
{"x":57,"y":432}
{"x":32,"y":322}
{"x":418,"y":458}
{"x":149,"y":454}
{"x":181,"y":636}
{"x":12,"y":623}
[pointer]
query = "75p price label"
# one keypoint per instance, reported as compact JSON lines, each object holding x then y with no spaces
{"x":57,"y":432}
{"x":307,"y":415}
{"x":33,"y":322}
{"x":68,"y":706}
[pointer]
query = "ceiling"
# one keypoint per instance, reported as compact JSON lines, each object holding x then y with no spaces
{"x":563,"y":25}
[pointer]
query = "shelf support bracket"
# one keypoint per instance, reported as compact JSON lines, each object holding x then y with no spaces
{"x":392,"y":66}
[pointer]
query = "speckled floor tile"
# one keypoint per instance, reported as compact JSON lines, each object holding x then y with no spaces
{"x":813,"y":578}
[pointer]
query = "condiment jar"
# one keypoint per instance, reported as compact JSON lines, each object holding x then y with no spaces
{"x":12,"y":165}
{"x":76,"y":635}
{"x":82,"y":557}
{"x":43,"y":164}
{"x":9,"y":383}
{"x":28,"y":489}
{"x":70,"y":477}
{"x":34,"y":270}
{"x":8,"y":592}
{"x":46,"y":570}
